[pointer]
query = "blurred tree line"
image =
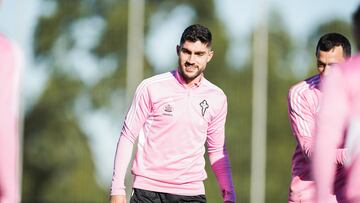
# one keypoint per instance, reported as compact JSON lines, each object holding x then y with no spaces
{"x":57,"y":162}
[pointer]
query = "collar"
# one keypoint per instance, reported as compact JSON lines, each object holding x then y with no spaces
{"x":314,"y":82}
{"x":181,"y":80}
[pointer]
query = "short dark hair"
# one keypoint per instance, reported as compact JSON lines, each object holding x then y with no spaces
{"x":195,"y":33}
{"x":331,"y":40}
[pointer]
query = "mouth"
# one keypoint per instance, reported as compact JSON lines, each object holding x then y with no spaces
{"x":190,"y":67}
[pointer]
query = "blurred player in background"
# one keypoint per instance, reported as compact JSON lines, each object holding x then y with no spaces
{"x":303,"y":104}
{"x":339,"y":113}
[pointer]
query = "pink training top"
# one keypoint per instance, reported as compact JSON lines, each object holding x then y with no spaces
{"x":10,"y":62}
{"x":303,"y":105}
{"x":340,"y":111}
{"x":173,"y":123}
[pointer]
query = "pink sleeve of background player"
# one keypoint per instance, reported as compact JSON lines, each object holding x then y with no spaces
{"x":134,"y":121}
{"x":10,"y":67}
{"x":218,"y":155}
{"x":302,"y":123}
{"x":329,"y":134}
{"x":301,"y":120}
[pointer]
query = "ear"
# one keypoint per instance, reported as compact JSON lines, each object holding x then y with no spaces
{"x":210,"y":55}
{"x":178,"y":50}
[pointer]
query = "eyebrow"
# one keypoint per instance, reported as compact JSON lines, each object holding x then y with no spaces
{"x":320,"y":62}
{"x":196,"y":52}
{"x":329,"y":64}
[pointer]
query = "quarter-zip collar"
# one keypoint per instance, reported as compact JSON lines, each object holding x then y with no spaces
{"x":181,"y":80}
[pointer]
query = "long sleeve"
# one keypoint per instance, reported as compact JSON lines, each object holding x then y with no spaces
{"x":218,"y":155}
{"x":302,"y":119}
{"x":122,"y":160}
{"x":11,"y":62}
{"x":134,"y":121}
{"x":222,"y":171}
{"x":332,"y":120}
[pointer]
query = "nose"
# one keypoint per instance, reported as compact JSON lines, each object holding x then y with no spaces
{"x":191,"y":58}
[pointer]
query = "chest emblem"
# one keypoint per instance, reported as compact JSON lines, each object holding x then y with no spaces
{"x":168,"y":110}
{"x":204,"y":106}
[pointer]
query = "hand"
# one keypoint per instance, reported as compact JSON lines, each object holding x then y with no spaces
{"x":117,"y":199}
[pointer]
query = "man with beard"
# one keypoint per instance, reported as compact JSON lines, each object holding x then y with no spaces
{"x":173,"y":115}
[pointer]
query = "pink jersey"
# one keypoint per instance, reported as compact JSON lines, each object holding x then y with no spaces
{"x":174,"y":122}
{"x":339,"y":112}
{"x":303,"y":105}
{"x":9,"y":110}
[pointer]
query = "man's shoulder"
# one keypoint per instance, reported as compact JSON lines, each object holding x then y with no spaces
{"x":213,"y":88}
{"x":156,"y":79}
{"x":306,"y":86}
{"x":153,"y":83}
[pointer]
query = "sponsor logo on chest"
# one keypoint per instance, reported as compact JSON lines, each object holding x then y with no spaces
{"x":168,"y":110}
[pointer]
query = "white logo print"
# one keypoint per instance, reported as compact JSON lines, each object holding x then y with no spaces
{"x":204,"y":105}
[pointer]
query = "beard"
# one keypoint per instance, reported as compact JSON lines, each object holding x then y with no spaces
{"x":193,"y":71}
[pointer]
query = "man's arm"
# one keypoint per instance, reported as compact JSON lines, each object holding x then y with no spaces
{"x":11,"y":64}
{"x":122,"y":160}
{"x":302,"y":123}
{"x":218,"y":155}
{"x":301,"y":119}
{"x":134,"y":121}
{"x":222,"y":170}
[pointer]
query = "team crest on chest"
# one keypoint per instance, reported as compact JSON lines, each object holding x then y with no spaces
{"x":204,"y":106}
